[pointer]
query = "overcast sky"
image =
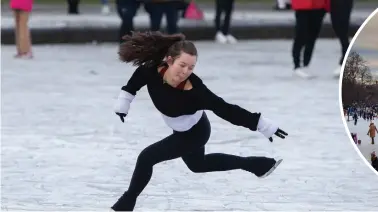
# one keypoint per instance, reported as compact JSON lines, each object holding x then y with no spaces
{"x":366,"y":43}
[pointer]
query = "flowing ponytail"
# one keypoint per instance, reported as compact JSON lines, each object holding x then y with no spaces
{"x":147,"y":48}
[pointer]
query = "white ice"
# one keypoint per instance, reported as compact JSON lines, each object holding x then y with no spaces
{"x":64,"y":149}
{"x":362,"y":127}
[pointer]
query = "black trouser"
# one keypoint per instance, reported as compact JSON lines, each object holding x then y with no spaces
{"x":226,"y":6}
{"x":308,"y":24}
{"x":340,"y":17}
{"x":157,"y":10}
{"x":73,"y":6}
{"x":127,"y":10}
{"x":190,"y":146}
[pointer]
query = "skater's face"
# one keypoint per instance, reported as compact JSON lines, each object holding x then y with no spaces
{"x":181,"y":67}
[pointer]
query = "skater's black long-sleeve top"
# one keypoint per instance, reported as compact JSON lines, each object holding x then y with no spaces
{"x":175,"y":102}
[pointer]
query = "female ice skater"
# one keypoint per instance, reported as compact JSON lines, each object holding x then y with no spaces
{"x":165,"y":64}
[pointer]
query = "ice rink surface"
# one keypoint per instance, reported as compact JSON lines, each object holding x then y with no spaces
{"x":63,"y":148}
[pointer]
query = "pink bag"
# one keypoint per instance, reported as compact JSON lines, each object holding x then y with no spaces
{"x":25,"y":5}
{"x":193,"y":12}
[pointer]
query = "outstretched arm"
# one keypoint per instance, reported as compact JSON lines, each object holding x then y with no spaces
{"x":128,"y":92}
{"x":239,"y":116}
{"x":230,"y":112}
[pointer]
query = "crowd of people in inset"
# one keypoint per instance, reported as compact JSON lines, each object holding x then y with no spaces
{"x":367,"y":113}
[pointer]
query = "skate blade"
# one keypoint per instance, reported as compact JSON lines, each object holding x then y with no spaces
{"x":272,"y":169}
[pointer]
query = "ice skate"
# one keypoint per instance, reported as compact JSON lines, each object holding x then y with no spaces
{"x":278,"y":162}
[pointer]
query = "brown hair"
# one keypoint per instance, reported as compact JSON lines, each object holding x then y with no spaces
{"x":150,"y":48}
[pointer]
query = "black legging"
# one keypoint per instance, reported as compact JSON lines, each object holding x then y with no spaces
{"x":190,"y":146}
{"x":226,"y":6}
{"x":307,"y":27}
{"x":340,"y":17}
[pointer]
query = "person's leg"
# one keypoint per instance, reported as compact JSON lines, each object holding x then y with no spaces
{"x":169,"y":148}
{"x":174,"y":146}
{"x":218,"y":14}
{"x":24,"y":33}
{"x":171,"y":13}
{"x":219,"y":23}
{"x":16,"y":15}
{"x":126,"y":11}
{"x":156,"y":15}
{"x":300,"y":37}
{"x":315,"y":25}
{"x":340,"y":17}
{"x":228,"y":9}
{"x":181,"y":7}
{"x":198,"y":162}
{"x":73,"y":6}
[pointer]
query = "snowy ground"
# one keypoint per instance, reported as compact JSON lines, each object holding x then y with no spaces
{"x":361,"y":129}
{"x":64,"y":149}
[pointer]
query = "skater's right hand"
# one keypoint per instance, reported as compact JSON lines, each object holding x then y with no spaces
{"x":122,"y":105}
{"x":268,"y":129}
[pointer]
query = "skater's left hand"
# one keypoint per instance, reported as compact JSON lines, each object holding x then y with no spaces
{"x":268,"y":129}
{"x":280,"y":133}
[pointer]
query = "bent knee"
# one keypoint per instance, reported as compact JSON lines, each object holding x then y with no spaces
{"x":145,"y":158}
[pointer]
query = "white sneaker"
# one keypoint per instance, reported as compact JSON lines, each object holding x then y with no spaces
{"x":220,"y":38}
{"x":105,"y":10}
{"x":231,"y":39}
{"x":300,"y":72}
{"x":337,"y":72}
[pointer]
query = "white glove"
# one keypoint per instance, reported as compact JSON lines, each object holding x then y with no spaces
{"x":122,"y":106}
{"x":268,"y":129}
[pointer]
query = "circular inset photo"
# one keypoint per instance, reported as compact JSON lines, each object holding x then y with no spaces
{"x":359,"y":91}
